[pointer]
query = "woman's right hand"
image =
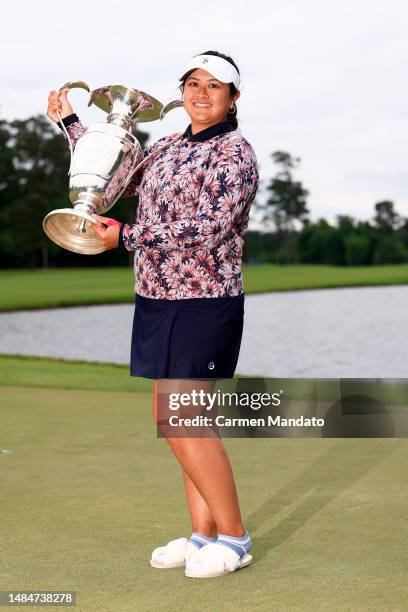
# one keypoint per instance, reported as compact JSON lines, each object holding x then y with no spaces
{"x":58,"y":103}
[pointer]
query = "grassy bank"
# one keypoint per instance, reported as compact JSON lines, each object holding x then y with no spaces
{"x":48,"y":373}
{"x":63,"y":287}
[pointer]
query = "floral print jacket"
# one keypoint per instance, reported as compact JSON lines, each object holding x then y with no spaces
{"x":194,"y":200}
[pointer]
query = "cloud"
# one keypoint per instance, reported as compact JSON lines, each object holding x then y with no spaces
{"x":321,"y":80}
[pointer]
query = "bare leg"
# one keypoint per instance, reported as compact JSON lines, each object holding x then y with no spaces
{"x":201,"y":518}
{"x":209,"y":481}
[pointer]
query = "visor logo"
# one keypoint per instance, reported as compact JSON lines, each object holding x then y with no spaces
{"x":205,"y":61}
{"x":211,"y":365}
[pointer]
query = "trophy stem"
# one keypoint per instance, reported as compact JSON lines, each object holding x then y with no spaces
{"x":87,"y":202}
{"x":123,"y":121}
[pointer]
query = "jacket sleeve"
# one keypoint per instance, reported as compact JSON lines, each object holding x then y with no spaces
{"x":228,"y":189}
{"x":74,"y":127}
{"x":133,"y":186}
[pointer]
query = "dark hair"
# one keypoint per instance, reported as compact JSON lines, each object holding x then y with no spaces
{"x":231,"y":115}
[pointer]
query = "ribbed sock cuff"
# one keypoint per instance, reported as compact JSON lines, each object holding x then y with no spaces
{"x":240,"y":545}
{"x":200,"y":540}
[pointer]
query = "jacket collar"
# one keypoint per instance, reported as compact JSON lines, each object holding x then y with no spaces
{"x":210,"y":132}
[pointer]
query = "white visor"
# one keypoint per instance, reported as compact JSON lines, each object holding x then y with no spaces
{"x":217,"y":66}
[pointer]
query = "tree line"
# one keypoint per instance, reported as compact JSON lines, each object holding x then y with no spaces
{"x":34,"y":161}
{"x":291,"y":237}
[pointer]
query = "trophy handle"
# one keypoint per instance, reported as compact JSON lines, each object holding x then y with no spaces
{"x":70,"y":85}
{"x":74,"y":85}
{"x":170,"y":106}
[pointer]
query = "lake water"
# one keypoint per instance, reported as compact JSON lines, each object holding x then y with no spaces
{"x":352,"y":332}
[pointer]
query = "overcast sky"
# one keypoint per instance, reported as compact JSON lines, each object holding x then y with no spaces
{"x":324,"y":80}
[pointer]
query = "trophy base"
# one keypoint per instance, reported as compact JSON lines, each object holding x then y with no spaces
{"x":73,"y":230}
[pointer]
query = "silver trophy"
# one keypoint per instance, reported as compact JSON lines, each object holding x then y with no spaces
{"x":102,"y":164}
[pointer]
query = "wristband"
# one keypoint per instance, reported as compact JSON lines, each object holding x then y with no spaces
{"x":67,"y":121}
{"x":121,"y":242}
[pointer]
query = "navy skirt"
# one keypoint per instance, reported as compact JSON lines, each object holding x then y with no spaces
{"x":195,"y":338}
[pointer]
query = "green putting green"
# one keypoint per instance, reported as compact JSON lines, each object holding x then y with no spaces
{"x":69,"y":286}
{"x":88,"y":491}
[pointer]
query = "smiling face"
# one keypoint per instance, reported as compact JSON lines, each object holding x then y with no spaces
{"x":206,"y":99}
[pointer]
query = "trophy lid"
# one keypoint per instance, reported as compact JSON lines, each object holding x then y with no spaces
{"x":138,"y":105}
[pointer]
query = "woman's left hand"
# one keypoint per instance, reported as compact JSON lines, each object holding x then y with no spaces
{"x":108,"y":237}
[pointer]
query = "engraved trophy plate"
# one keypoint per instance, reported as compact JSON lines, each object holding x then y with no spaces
{"x":102,"y":164}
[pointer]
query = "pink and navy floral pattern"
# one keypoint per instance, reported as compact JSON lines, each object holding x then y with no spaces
{"x":194,"y":202}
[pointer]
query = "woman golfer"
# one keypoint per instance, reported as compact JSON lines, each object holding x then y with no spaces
{"x":194,"y":201}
